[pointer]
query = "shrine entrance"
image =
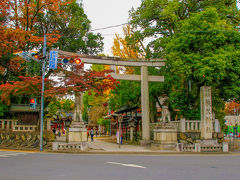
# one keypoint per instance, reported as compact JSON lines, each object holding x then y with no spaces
{"x":144,"y":78}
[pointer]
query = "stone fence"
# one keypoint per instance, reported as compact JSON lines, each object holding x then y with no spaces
{"x":190,"y":125}
{"x":81,"y":146}
{"x":12,"y":125}
{"x":7,"y":124}
{"x":187,"y":125}
{"x":24,"y":128}
{"x":25,"y":140}
{"x":198,"y":147}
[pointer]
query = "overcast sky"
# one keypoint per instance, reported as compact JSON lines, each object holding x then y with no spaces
{"x":104,"y":13}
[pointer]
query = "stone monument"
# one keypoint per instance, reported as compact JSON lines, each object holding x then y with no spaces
{"x":77,"y":131}
{"x":206,"y":113}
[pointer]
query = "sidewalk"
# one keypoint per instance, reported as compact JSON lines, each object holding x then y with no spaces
{"x":99,"y":145}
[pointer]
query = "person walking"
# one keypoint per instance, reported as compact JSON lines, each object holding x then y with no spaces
{"x":87,"y":134}
{"x":96,"y":132}
{"x":54,"y":130}
{"x":91,"y":133}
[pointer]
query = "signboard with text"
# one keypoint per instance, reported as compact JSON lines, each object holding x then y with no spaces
{"x":53,"y":59}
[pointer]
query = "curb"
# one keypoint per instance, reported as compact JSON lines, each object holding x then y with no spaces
{"x":129,"y":153}
{"x":18,"y":150}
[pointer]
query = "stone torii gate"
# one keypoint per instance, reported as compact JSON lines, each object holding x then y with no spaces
{"x":144,"y":78}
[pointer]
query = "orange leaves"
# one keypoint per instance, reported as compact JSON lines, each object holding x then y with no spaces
{"x":15,"y":64}
{"x":11,"y":40}
{"x":4,"y":6}
{"x":51,"y":38}
{"x":79,"y":80}
{"x":25,"y":86}
{"x":232,"y":107}
{"x":24,"y":21}
{"x":22,"y":24}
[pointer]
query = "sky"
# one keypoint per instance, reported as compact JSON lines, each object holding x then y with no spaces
{"x":104,"y":13}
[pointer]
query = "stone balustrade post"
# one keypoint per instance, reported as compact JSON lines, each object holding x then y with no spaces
{"x":225,"y":147}
{"x":131,"y":133}
{"x":192,"y":126}
{"x":179,"y":147}
{"x":182,"y":125}
{"x":7,"y":125}
{"x":197,"y":147}
{"x":55,"y":146}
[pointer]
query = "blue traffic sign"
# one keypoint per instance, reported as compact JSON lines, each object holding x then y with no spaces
{"x":53,"y":59}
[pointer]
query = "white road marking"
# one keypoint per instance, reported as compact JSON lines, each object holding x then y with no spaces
{"x":129,"y":165}
{"x":12,"y":154}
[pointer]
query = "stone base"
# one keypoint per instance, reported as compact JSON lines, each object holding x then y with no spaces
{"x":165,"y":146}
{"x":225,"y":147}
{"x":209,"y":142}
{"x":69,"y":147}
{"x":77,"y":135}
{"x":145,"y":142}
{"x":79,"y":124}
{"x":165,"y":135}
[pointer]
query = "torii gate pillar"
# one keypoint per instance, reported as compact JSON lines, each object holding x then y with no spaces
{"x":145,"y":104}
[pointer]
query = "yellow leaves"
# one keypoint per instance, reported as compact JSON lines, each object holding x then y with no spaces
{"x":120,"y":47}
{"x":96,"y":113}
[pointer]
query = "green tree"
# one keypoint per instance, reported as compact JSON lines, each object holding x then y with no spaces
{"x":74,"y":28}
{"x":199,"y":39}
{"x":128,"y":93}
{"x":156,"y":20}
{"x":60,"y":106}
{"x":206,"y":51}
{"x":3,"y":109}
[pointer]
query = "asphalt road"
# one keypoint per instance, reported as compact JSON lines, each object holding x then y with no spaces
{"x":49,"y":166}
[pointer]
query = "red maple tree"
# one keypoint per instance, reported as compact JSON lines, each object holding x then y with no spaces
{"x":64,"y":82}
{"x":21,"y":28}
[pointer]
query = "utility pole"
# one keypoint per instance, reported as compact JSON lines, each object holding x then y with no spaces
{"x":42,"y":92}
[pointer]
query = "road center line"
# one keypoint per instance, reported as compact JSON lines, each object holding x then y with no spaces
{"x":129,"y":165}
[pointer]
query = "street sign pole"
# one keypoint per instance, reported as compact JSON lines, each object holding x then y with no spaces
{"x":42,"y":93}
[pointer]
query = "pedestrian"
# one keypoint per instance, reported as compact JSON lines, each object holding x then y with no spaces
{"x":91,"y":133}
{"x":59,"y":133}
{"x":96,"y":132}
{"x":54,"y":130}
{"x":231,"y":134}
{"x":87,"y":134}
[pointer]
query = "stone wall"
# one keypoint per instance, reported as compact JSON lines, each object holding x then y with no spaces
{"x":25,"y":140}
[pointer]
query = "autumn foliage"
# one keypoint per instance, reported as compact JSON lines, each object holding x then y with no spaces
{"x":232,"y":107}
{"x":68,"y":82}
{"x":22,"y":24}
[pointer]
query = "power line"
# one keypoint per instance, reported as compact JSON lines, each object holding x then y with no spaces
{"x":109,"y":27}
